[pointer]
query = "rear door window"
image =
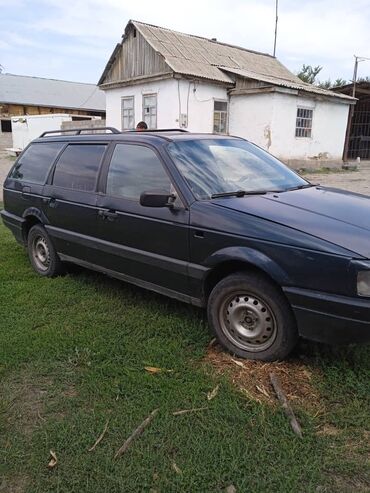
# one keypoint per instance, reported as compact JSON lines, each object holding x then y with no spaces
{"x":78,"y":167}
{"x":34,"y":164}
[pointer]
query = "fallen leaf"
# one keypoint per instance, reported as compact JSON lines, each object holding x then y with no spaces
{"x":176,"y":468}
{"x":53,"y":461}
{"x":230,"y":489}
{"x":212,"y":394}
{"x":154,"y":369}
{"x":239,"y":363}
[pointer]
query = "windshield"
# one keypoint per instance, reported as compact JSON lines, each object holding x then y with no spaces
{"x":217,"y":166}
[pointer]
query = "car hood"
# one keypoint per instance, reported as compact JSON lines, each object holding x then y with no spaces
{"x":333,"y":215}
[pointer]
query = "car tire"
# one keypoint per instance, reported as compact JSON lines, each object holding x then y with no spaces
{"x":251,"y":318}
{"x":42,"y":254}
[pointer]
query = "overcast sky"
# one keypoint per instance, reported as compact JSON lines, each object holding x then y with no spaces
{"x":73,"y":40}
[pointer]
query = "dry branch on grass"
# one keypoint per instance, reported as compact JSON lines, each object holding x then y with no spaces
{"x":186,"y":411}
{"x":136,"y":433}
{"x":285,"y":404}
{"x":101,"y":436}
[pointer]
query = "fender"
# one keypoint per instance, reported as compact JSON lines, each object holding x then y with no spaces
{"x":250,"y":256}
{"x":33,"y":211}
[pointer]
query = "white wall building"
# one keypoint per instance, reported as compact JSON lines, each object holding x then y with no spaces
{"x":175,"y":80}
{"x":28,"y":127}
{"x":23,"y":97}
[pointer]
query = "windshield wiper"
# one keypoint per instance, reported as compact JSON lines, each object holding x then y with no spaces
{"x":300,"y":187}
{"x":237,"y":193}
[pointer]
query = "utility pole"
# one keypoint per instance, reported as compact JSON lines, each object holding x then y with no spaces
{"x":354,"y":80}
{"x":276,"y":23}
{"x":352,"y":107}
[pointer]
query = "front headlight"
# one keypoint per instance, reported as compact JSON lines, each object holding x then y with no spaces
{"x":363,"y":283}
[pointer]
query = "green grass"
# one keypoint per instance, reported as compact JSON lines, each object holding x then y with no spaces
{"x":72,"y":356}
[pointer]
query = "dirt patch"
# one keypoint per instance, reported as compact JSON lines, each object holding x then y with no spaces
{"x":26,"y":397}
{"x":17,"y":484}
{"x":346,"y":484}
{"x":70,"y":392}
{"x":253,"y":378}
{"x":328,"y":430}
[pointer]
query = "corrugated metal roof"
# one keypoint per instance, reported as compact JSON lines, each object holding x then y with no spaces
{"x":202,"y":57}
{"x":184,"y":51}
{"x":35,"y":91}
{"x":301,"y":86}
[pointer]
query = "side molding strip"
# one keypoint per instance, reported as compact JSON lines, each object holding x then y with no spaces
{"x":133,"y":280}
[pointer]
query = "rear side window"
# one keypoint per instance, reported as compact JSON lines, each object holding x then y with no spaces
{"x":34,"y":164}
{"x":133,"y":170}
{"x":78,"y":167}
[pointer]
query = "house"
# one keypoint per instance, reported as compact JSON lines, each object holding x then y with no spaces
{"x":22,"y":96}
{"x":172,"y":79}
{"x":358,"y":131}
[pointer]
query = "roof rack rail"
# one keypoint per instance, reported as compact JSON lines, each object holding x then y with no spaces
{"x":79,"y":130}
{"x":164,"y":130}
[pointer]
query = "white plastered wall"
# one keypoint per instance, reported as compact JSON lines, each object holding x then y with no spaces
{"x":174,"y":97}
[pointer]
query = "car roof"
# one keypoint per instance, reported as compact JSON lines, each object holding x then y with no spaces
{"x":143,"y":136}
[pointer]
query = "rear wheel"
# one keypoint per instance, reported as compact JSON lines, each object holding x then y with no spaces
{"x":42,"y":254}
{"x":251,"y":317}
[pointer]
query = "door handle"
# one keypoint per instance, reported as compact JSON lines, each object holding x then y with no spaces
{"x":105,"y":214}
{"x":51,"y":202}
{"x":25,"y":191}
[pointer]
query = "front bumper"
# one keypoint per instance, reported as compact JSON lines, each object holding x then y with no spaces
{"x":329,"y":318}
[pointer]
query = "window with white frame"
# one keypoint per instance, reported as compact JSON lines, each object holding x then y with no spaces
{"x":150,"y":110}
{"x":220,"y":117}
{"x":303,"y":126}
{"x":128,"y":113}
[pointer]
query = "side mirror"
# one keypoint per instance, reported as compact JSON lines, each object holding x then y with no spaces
{"x":157,"y":199}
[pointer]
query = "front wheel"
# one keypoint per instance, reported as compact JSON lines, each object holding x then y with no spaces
{"x":251,"y":317}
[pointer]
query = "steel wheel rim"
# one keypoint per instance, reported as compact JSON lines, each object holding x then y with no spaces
{"x":41,"y":253}
{"x":248,"y":322}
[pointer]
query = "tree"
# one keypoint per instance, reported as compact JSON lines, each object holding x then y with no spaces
{"x":328,"y":84}
{"x":308,"y":73}
{"x":340,"y":82}
{"x":325,"y":84}
{"x":363,"y":79}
